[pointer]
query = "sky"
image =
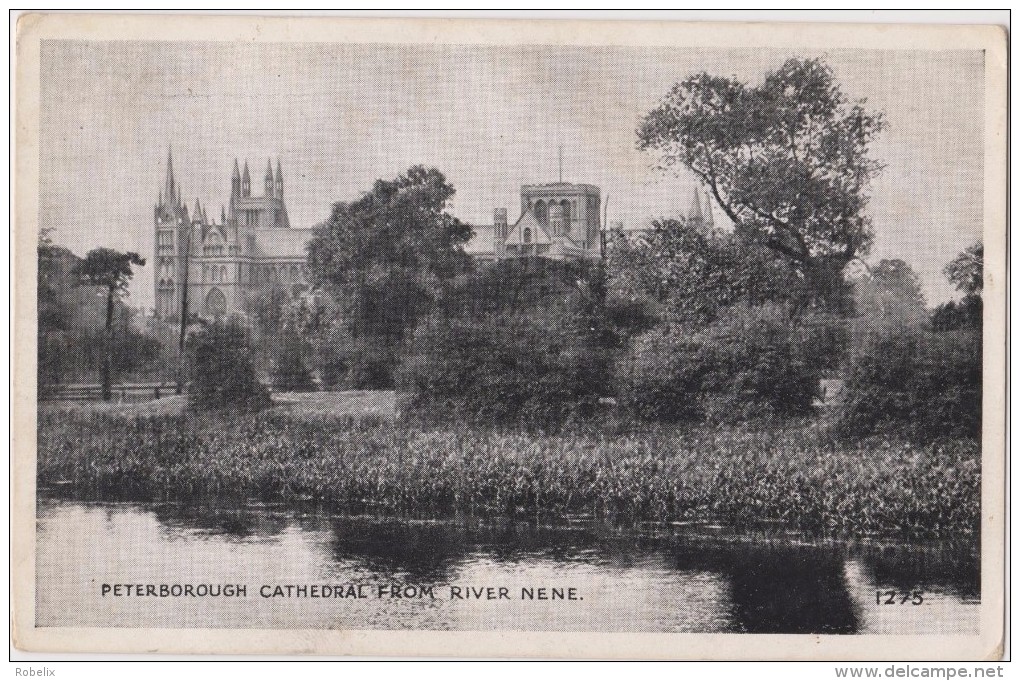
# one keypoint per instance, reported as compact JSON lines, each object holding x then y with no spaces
{"x":490,"y":118}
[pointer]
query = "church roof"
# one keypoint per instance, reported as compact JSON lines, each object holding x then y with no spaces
{"x":282,"y":243}
{"x":539,"y":235}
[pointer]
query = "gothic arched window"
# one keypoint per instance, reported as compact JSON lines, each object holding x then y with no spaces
{"x":541,"y":213}
{"x":565,"y":213}
{"x":205,"y":273}
{"x":527,"y":235}
{"x":223,"y":272}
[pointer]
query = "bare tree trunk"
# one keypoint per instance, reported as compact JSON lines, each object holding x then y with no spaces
{"x":184,"y":316}
{"x":108,"y":352}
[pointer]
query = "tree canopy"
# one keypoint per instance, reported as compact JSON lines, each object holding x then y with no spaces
{"x":108,"y":267}
{"x":786,"y":160}
{"x":890,"y":292}
{"x":385,"y":255}
{"x":967,"y":270}
{"x":689,"y":274}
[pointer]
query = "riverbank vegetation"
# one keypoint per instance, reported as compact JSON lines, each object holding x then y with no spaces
{"x":797,"y":477}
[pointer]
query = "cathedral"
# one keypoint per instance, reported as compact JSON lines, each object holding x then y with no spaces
{"x":251,"y":250}
{"x":559,"y":221}
{"x":224,"y":264}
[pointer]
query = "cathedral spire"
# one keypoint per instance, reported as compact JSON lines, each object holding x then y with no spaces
{"x":171,"y":186}
{"x":246,"y":181}
{"x":197,"y":214}
{"x":235,"y":180}
{"x":695,"y":212}
{"x":279,"y":180}
{"x":269,"y":178}
{"x":223,"y":215}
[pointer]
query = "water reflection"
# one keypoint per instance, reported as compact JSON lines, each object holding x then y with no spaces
{"x":697,"y":580}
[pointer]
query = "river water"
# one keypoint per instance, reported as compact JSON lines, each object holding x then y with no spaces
{"x":472,"y":575}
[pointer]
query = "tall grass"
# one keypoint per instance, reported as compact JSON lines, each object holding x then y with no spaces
{"x":798,"y":478}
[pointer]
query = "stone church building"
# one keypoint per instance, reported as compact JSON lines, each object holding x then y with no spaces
{"x":250,"y":250}
{"x":559,"y":221}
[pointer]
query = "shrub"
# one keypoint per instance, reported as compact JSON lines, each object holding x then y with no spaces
{"x":290,"y":372}
{"x":925,"y":384}
{"x":223,"y":376}
{"x":498,"y":370}
{"x":750,"y":363}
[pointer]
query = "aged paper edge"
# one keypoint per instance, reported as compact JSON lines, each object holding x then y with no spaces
{"x":33,"y":28}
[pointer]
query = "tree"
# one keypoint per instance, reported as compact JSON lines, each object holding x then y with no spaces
{"x":787,"y":161}
{"x":110,"y":269}
{"x":689,"y":275}
{"x":966,"y":270}
{"x":747,"y":364}
{"x":889,"y":293}
{"x":529,"y":342}
{"x":387,"y":257}
{"x":223,"y":375}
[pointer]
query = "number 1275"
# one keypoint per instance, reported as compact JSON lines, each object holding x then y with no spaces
{"x":898,"y":597}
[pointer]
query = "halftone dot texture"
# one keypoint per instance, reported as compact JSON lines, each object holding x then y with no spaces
{"x":490,"y":118}
{"x":622,"y":583}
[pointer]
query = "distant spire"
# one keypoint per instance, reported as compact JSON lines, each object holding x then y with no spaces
{"x":197,"y":214}
{"x":237,"y":170}
{"x":279,"y":180}
{"x":269,"y":179}
{"x":695,"y":212}
{"x":246,"y":181}
{"x":223,"y":214}
{"x":709,"y":220}
{"x":160,"y":198}
{"x":171,"y":186}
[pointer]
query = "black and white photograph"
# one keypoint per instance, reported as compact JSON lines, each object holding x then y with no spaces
{"x":510,"y":338}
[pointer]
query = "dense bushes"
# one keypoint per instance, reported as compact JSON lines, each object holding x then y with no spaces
{"x":926,"y":384}
{"x":223,"y":376}
{"x":750,"y":363}
{"x":523,"y":343}
{"x":498,"y":370}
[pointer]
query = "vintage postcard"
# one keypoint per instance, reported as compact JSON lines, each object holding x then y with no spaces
{"x":509,"y":338}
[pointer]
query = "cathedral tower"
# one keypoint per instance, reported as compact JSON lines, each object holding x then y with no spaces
{"x":170,"y":228}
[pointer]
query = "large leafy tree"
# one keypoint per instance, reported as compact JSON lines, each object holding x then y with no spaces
{"x":387,"y":257}
{"x":966,"y":272}
{"x":786,"y":160}
{"x":889,"y":294}
{"x":110,"y":270}
{"x":687,"y":275}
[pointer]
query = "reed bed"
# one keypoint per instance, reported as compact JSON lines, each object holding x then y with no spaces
{"x":798,"y":478}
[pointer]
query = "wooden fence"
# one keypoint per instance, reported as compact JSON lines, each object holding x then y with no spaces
{"x":91,"y":392}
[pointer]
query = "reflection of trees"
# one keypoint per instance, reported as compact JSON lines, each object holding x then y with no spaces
{"x":773,"y":587}
{"x":423,"y":552}
{"x":777,"y":589}
{"x":430,"y":550}
{"x":234,"y":523}
{"x":954,"y":569}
